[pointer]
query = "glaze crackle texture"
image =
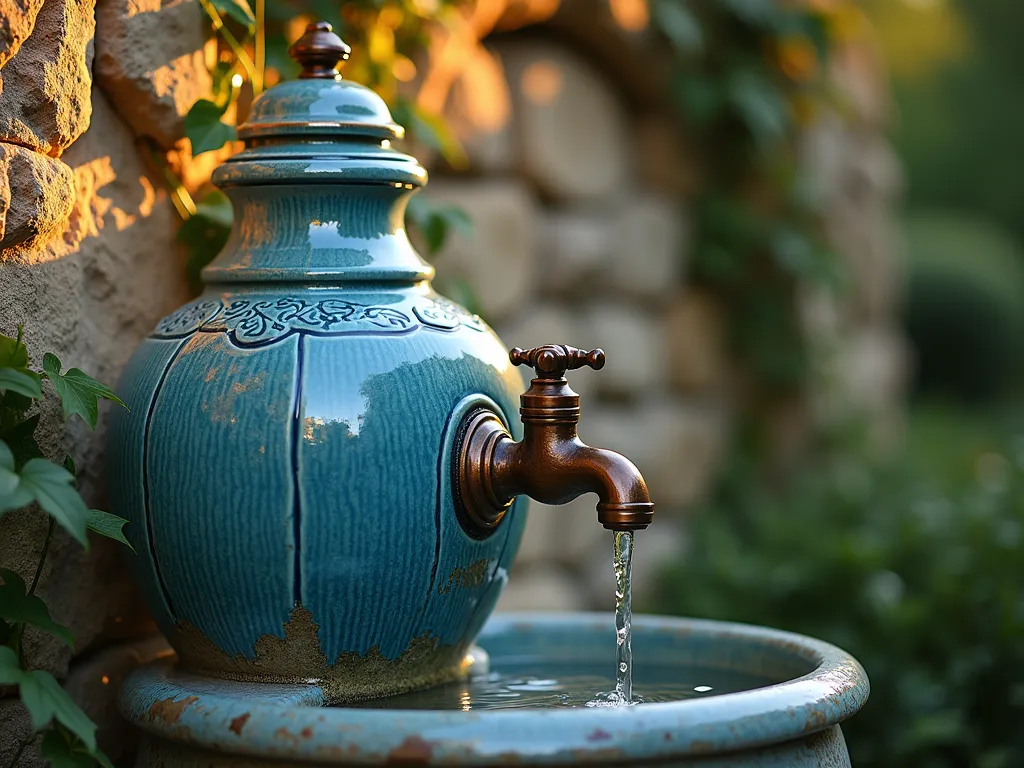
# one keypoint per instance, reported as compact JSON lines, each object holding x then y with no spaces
{"x":284,"y":463}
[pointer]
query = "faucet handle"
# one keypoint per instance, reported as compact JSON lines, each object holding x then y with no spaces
{"x":552,"y":360}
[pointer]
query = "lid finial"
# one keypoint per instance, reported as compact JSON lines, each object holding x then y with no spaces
{"x":320,"y":52}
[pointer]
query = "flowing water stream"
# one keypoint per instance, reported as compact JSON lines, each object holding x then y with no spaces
{"x":540,"y":683}
{"x":622,"y":563}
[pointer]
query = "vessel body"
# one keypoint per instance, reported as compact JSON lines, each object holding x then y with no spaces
{"x":283,"y":462}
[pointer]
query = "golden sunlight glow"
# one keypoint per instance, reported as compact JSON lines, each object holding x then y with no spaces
{"x":403,"y":68}
{"x":542,"y":82}
{"x":631,"y":15}
{"x":236,"y":80}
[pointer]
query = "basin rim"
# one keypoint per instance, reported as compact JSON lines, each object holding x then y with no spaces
{"x":833,"y":691}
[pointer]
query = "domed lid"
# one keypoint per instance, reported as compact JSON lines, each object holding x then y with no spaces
{"x":320,"y":102}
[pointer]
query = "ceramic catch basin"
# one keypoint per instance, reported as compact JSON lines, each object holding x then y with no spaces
{"x":795,"y":693}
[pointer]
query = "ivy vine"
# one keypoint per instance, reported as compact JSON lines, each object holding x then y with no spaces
{"x":27,"y":477}
{"x":750,"y":75}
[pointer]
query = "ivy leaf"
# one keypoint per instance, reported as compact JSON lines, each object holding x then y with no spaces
{"x":756,"y":12}
{"x":205,"y":233}
{"x":204,"y":129}
{"x":60,"y":752}
{"x":22,"y":382}
{"x":79,"y":393}
{"x":11,"y":672}
{"x":436,"y":222}
{"x":12,"y":494}
{"x":69,"y":465}
{"x":19,"y":607}
{"x":20,"y":438}
{"x":679,"y":25}
{"x":51,"y":486}
{"x":13,"y":353}
{"x":238,"y":10}
{"x":109,"y":525}
{"x":45,"y":700}
{"x":760,"y":105}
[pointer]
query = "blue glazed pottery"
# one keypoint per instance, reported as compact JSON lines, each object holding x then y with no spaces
{"x":284,"y":461}
{"x":799,"y":691}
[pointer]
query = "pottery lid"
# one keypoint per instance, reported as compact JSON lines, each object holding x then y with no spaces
{"x":320,"y":102}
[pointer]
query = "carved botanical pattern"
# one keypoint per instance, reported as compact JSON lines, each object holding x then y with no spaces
{"x":253,"y":321}
{"x":441,"y":313}
{"x":188,"y":319}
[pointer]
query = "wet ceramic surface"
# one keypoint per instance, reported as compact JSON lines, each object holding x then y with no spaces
{"x":282,"y":464}
{"x":810,"y":687}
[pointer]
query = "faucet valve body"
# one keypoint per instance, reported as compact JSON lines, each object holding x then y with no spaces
{"x":551,"y":464}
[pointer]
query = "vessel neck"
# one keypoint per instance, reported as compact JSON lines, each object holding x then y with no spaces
{"x":320,"y":232}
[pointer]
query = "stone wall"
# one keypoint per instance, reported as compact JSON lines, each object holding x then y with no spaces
{"x":89,"y":263}
{"x":579,"y":191}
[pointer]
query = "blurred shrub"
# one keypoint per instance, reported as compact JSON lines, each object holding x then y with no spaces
{"x":964,"y":314}
{"x":914,"y":566}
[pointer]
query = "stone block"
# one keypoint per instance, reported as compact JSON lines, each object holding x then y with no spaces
{"x":676,"y":446}
{"x":15,"y":729}
{"x":873,"y":369}
{"x":648,"y":246}
{"x":17,"y":17}
{"x":542,"y":588}
{"x":576,"y":247}
{"x":570,"y":123}
{"x":498,"y":260}
{"x":864,"y":236}
{"x":45,"y":99}
{"x":663,"y":159}
{"x":37,"y":194}
{"x":695,"y":337}
{"x":633,"y":341}
{"x":149,"y":61}
{"x":571,"y":531}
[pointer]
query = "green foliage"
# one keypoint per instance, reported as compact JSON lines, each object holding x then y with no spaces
{"x":963,"y":315}
{"x":748,"y":71}
{"x":107,"y":525}
{"x":19,"y":607}
{"x":26,"y":477}
{"x":204,"y":129}
{"x":913,"y":564}
{"x":204,"y":233}
{"x":238,"y":10}
{"x":436,"y":222}
{"x":79,"y":393}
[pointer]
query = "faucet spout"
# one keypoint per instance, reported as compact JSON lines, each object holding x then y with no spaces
{"x":551,"y":464}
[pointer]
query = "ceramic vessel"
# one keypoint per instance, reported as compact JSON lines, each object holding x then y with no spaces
{"x":283,"y":464}
{"x":801,"y":690}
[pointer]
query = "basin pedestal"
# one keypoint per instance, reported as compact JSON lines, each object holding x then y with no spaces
{"x":807,"y":688}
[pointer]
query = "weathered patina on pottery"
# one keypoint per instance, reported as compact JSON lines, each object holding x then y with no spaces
{"x":792,"y":721}
{"x":284,"y":461}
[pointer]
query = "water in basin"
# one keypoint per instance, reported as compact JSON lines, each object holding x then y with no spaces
{"x":537,"y":685}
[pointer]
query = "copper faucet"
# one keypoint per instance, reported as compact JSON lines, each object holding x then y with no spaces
{"x":551,"y":464}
